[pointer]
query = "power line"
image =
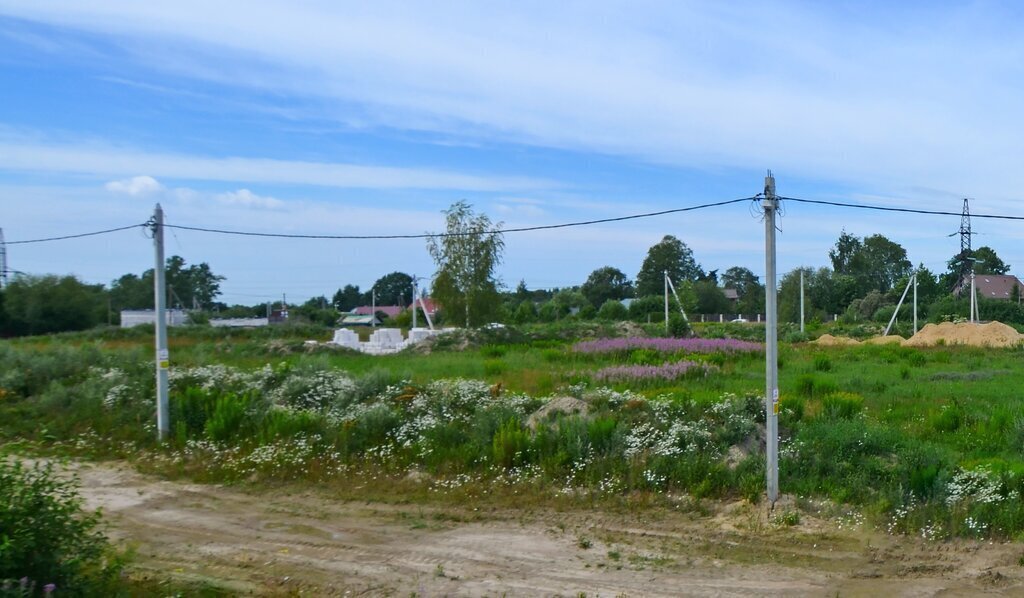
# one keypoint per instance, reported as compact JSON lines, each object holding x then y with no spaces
{"x":78,"y":236}
{"x":890,"y":209}
{"x":436,"y":235}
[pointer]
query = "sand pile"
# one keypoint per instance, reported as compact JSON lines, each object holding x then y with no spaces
{"x":993,"y":334}
{"x":892,"y":339}
{"x":834,"y":341}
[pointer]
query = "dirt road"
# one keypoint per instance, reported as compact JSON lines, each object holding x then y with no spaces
{"x":276,"y":543}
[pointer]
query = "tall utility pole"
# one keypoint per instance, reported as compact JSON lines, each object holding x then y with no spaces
{"x":163,"y":422}
{"x":915,"y":302}
{"x":801,"y":300}
{"x":415,"y":295}
{"x":770,"y":204}
{"x":666,"y":300}
{"x":373,"y":308}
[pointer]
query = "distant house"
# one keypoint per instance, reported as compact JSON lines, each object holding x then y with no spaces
{"x":278,"y":316}
{"x":357,"y":320}
{"x":139,"y":317}
{"x":367,"y":310}
{"x":431,"y":307}
{"x":732,"y":295}
{"x":992,"y":286}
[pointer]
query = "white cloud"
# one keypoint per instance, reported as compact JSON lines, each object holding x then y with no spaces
{"x":248,"y":199}
{"x":139,"y":186}
{"x":97,"y":159}
{"x":847,"y":93}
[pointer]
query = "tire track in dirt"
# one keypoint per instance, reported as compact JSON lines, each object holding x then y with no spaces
{"x":273,"y":542}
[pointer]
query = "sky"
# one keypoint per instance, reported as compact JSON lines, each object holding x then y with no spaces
{"x":373,"y":117}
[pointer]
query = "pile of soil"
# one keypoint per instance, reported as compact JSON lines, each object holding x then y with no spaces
{"x":834,"y":341}
{"x":563,"y":405}
{"x":891,"y":339}
{"x":993,"y":334}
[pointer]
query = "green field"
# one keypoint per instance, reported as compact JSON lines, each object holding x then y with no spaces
{"x":927,"y":441}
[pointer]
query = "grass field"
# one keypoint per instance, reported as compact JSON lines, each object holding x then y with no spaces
{"x":923,"y":441}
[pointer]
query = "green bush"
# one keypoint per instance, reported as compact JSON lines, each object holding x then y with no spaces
{"x":822,"y":363}
{"x":228,"y":415}
{"x":678,"y":326}
{"x":613,"y":310}
{"x":841,"y":405}
{"x":46,"y":536}
{"x":510,"y":444}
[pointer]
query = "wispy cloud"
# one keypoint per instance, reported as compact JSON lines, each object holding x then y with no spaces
{"x":104,"y":160}
{"x":145,"y":186}
{"x":841,"y":92}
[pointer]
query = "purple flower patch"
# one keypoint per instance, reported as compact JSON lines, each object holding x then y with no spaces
{"x":669,"y":345}
{"x":646,"y":373}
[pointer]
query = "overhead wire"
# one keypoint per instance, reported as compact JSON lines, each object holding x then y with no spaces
{"x":460,"y":234}
{"x":893,"y":209}
{"x":517,"y":229}
{"x":78,"y":236}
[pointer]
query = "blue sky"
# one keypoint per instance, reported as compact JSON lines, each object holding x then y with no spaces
{"x":362,"y":118}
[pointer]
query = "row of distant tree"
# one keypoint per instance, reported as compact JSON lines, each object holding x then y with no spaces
{"x":866,"y":276}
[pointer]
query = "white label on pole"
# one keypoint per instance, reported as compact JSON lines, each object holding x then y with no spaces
{"x":162,"y":355}
{"x":775,"y":402}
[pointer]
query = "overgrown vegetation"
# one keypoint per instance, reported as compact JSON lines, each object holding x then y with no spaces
{"x":923,"y":441}
{"x":48,"y":542}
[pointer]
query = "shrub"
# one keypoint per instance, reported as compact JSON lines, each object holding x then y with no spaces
{"x":841,"y":405}
{"x":613,"y":310}
{"x":227,"y":417}
{"x":510,"y":444}
{"x":811,"y":386}
{"x":822,"y":363}
{"x":678,"y":327}
{"x":48,"y":538}
{"x":493,"y":351}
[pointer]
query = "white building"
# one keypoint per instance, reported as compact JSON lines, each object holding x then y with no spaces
{"x":138,"y":317}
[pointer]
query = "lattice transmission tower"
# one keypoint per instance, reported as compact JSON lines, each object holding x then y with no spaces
{"x":966,"y":255}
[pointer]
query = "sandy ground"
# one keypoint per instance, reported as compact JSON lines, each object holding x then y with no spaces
{"x":306,"y":543}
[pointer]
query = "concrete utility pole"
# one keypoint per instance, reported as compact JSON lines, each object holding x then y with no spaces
{"x":373,"y":308}
{"x":770,"y":204}
{"x":415,"y":295}
{"x":801,"y":300}
{"x":974,"y":300}
{"x":915,"y":302}
{"x":163,"y":421}
{"x":665,"y":272}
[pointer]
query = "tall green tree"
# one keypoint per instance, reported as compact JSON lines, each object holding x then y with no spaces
{"x":347,"y":298}
{"x":987,"y":262}
{"x":44,"y":304}
{"x":710,"y":299}
{"x":392,"y":289}
{"x":875,"y":262}
{"x":742,"y":280}
{"x":844,"y":254}
{"x":466,"y":259}
{"x":187,"y":286}
{"x":884,"y":262}
{"x":671,"y":255}
{"x":606,"y":283}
